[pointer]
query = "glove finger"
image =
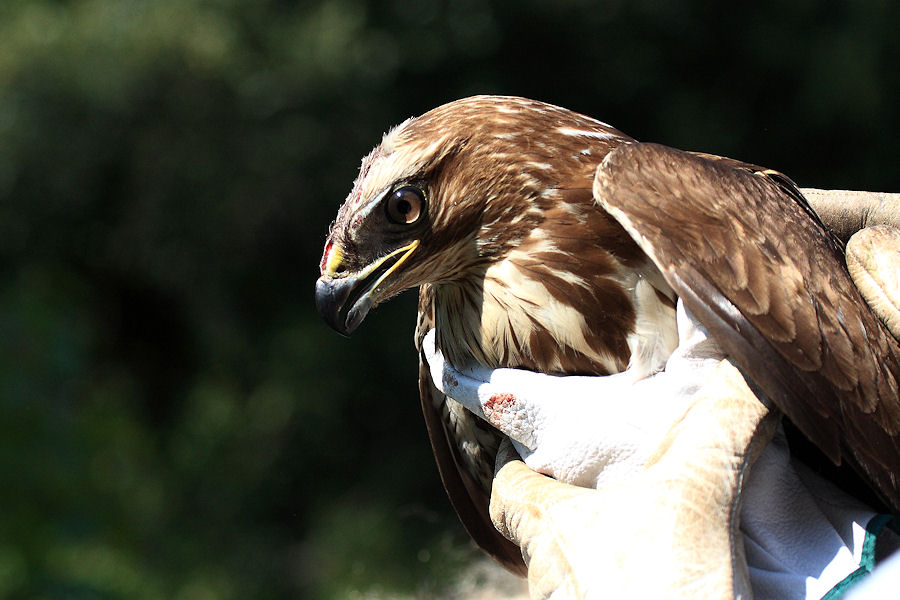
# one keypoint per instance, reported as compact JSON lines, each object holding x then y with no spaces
{"x":521,"y":498}
{"x":873,"y":259}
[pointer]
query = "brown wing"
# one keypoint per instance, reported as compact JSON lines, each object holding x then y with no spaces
{"x":750,"y":260}
{"x":466,"y":479}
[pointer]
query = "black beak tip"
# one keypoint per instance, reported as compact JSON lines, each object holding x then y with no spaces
{"x":330,"y":297}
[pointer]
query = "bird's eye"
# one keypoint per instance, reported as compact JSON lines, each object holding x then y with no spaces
{"x":405,"y":205}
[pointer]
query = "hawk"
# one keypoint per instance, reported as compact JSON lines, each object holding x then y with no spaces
{"x":544,"y":239}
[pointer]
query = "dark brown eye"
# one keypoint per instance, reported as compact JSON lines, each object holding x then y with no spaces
{"x":405,"y":205}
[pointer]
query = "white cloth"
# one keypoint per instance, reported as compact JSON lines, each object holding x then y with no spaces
{"x":802,"y":535}
{"x":884,"y":582}
{"x":587,"y":431}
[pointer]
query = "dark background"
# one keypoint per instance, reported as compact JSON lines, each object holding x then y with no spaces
{"x":175,"y":420}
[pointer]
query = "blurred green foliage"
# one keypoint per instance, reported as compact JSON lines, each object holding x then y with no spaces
{"x":175,"y":421}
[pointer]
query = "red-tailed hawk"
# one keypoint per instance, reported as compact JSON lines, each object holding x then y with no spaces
{"x":544,"y":239}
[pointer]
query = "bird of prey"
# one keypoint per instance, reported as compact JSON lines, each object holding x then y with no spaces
{"x":544,"y":239}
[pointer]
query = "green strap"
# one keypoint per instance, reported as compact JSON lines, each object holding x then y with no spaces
{"x":868,"y":559}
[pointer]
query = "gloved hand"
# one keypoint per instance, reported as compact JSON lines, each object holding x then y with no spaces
{"x":669,"y":486}
{"x":665,"y":469}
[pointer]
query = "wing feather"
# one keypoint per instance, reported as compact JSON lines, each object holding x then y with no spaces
{"x":468,"y":493}
{"x":753,"y":262}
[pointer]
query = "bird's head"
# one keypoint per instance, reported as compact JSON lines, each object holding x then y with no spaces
{"x":449,"y":192}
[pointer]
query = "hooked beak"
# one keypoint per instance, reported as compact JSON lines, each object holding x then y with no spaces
{"x":333,"y":292}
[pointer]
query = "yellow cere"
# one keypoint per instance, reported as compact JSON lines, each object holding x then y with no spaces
{"x":333,"y":261}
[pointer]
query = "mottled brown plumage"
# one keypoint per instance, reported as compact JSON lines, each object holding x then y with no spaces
{"x":490,"y":206}
{"x":760,"y":272}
